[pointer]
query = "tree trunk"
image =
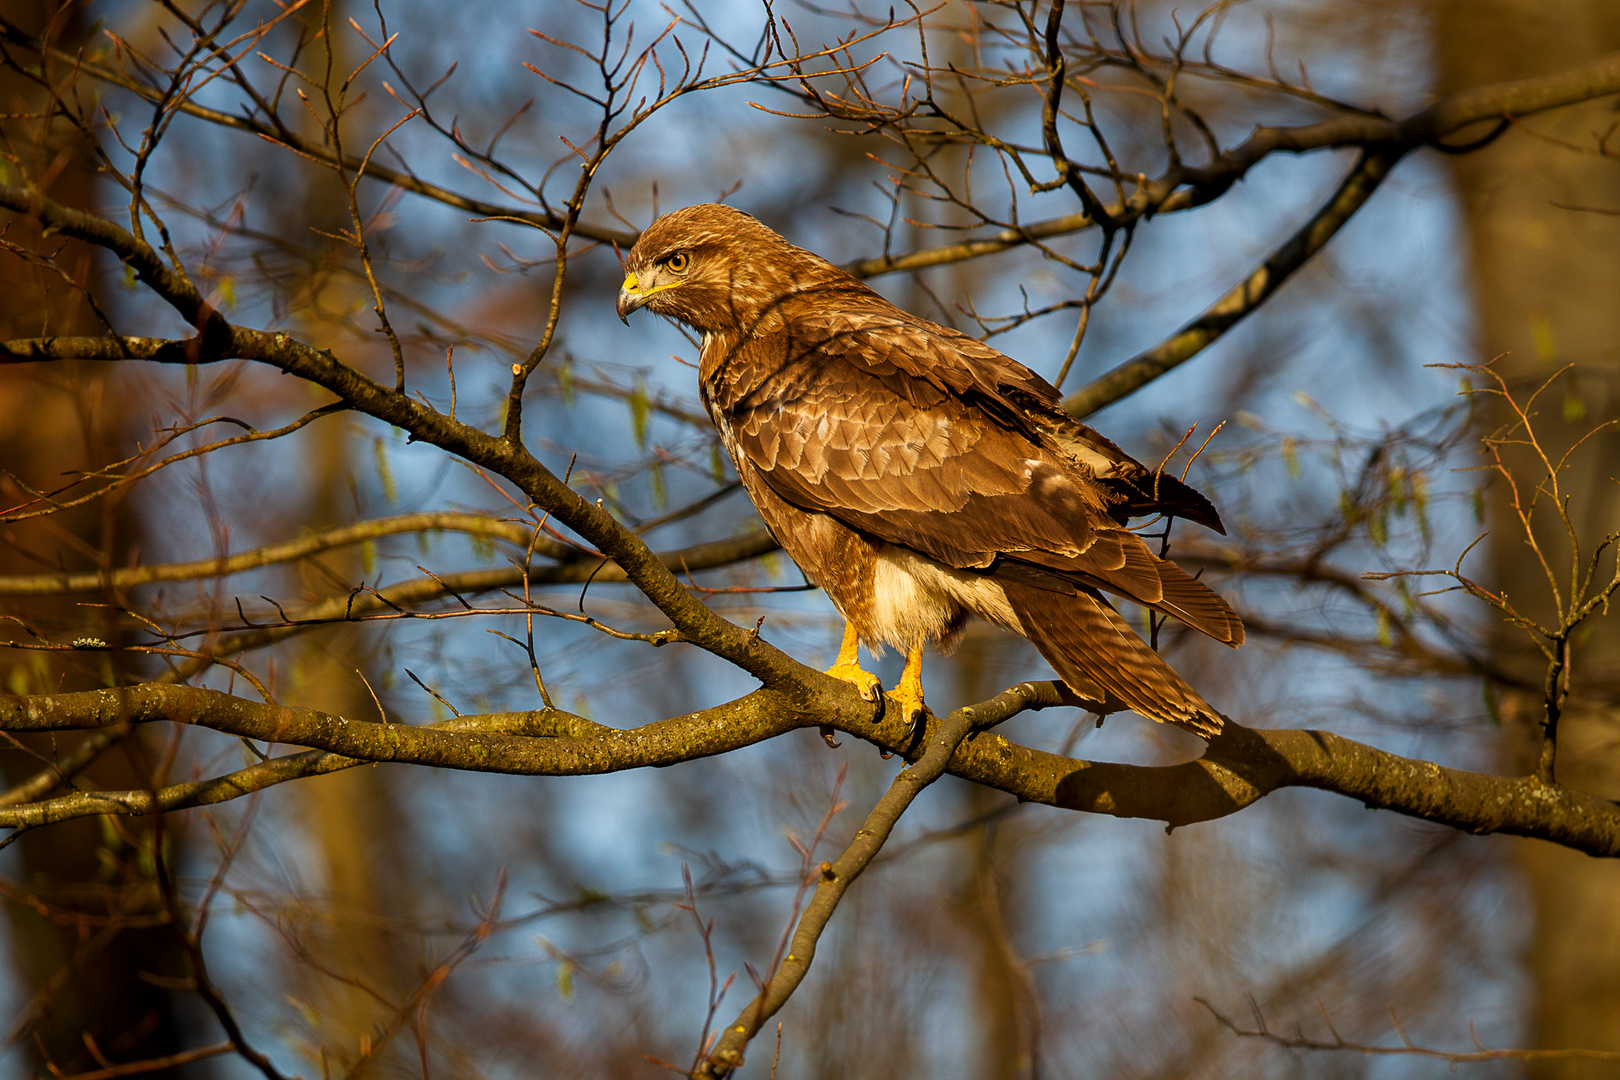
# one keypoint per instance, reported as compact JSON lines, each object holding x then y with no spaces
{"x":93,"y":925}
{"x":1547,"y":292}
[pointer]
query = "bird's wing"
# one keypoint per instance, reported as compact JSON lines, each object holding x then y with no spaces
{"x":1019,"y":396}
{"x":888,"y":340}
{"x":896,"y":431}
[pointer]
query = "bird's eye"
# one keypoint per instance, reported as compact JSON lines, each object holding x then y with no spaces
{"x":678,"y":262}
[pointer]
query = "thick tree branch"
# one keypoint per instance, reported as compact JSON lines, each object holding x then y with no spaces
{"x":266,"y":774}
{"x":36,"y":350}
{"x":1239,"y":767}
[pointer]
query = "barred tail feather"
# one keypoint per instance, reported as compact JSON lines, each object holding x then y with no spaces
{"x":1133,"y":572}
{"x":1100,"y":657}
{"x":1197,"y":605}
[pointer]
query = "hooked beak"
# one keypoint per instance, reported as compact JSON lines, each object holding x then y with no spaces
{"x":635,"y":293}
{"x":630,"y":298}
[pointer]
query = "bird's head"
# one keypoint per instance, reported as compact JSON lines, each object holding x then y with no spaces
{"x":713,"y":268}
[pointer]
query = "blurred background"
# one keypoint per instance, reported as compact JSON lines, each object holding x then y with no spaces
{"x":989,"y":939}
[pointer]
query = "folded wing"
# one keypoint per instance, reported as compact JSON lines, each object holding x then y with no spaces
{"x":901,"y":431}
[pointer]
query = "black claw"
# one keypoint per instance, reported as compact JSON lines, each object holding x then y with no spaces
{"x":916,"y":726}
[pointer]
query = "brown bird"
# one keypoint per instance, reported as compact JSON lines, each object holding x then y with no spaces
{"x":918,"y":476}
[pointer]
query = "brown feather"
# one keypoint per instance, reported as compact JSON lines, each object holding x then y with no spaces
{"x":1101,"y":658}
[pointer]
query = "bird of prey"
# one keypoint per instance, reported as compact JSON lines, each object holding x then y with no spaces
{"x":918,"y":476}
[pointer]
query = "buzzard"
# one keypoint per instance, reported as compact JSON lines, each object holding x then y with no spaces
{"x":919,"y":476}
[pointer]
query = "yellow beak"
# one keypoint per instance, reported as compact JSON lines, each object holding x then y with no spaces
{"x":632,"y":295}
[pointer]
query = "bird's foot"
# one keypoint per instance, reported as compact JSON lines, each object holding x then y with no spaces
{"x":852,"y":672}
{"x":908,"y":698}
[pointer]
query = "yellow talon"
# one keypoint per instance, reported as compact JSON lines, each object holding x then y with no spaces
{"x":909,"y":694}
{"x":848,"y":666}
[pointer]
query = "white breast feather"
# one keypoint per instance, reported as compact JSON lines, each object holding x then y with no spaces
{"x":915,"y":599}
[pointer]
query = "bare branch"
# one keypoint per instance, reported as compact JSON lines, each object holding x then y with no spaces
{"x":1241,"y":765}
{"x":1407,"y":1049}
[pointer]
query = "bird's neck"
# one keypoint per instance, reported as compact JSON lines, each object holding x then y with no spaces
{"x":716,"y":363}
{"x":734,"y":366}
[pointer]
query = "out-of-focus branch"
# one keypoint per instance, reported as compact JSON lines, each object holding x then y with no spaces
{"x":132,"y":576}
{"x":1407,"y":1048}
{"x":1240,"y":766}
{"x":1384,"y":143}
{"x":152,"y":1065}
{"x":398,"y":599}
{"x":188,"y":934}
{"x":839,"y":874}
{"x":61,"y":770}
{"x":576,"y":565}
{"x":1445,"y":117}
{"x":1402,"y":649}
{"x":142,"y":259}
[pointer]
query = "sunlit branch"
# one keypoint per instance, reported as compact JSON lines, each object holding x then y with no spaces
{"x":266,"y":774}
{"x":1241,"y":766}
